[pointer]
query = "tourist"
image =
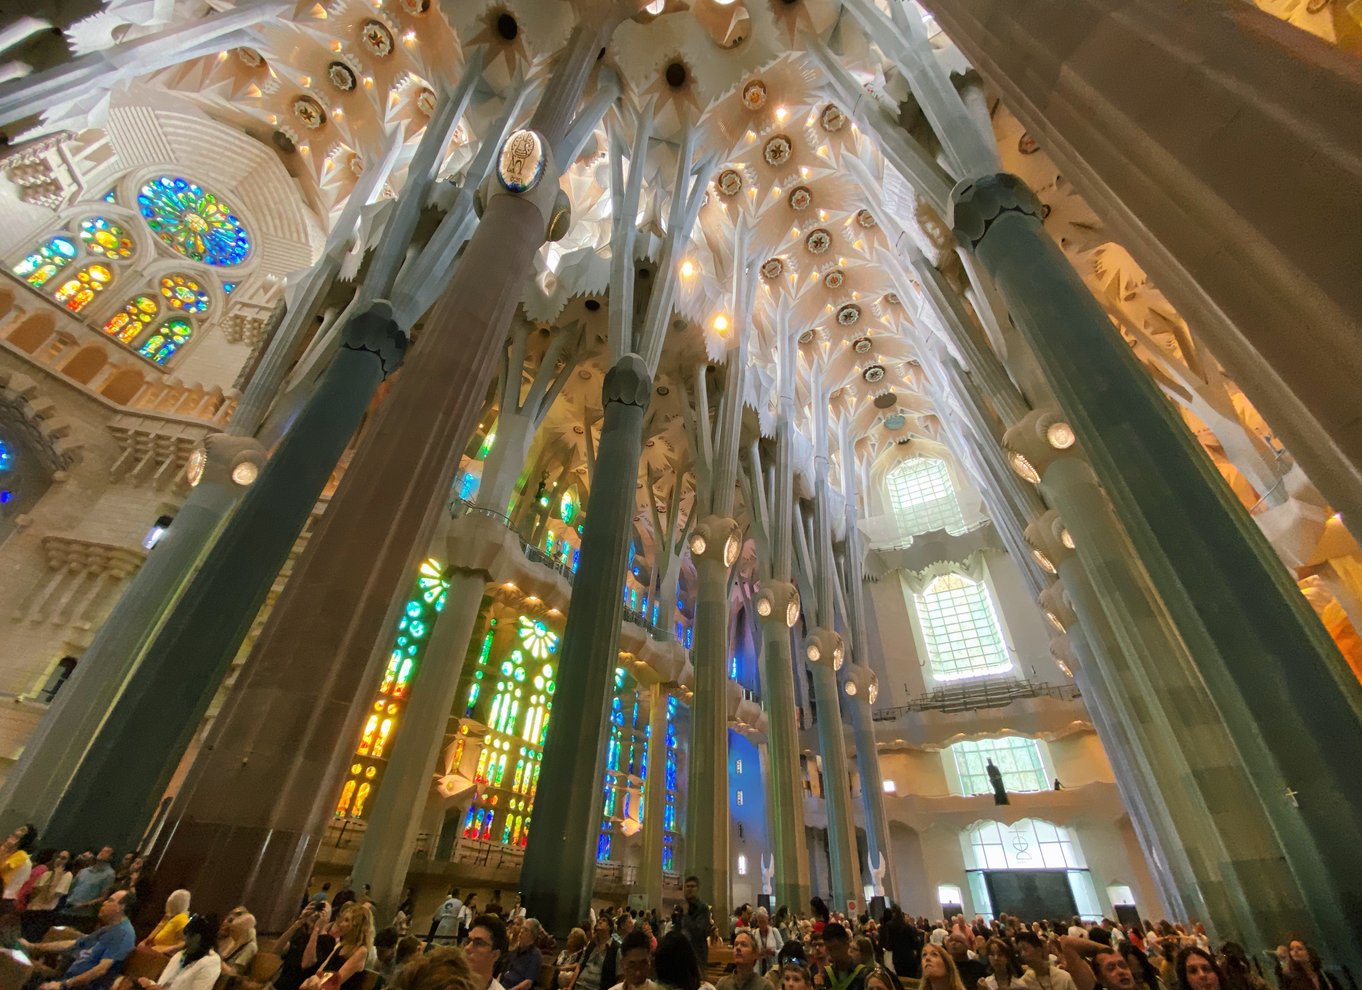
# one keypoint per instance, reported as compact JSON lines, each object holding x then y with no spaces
{"x":1144,"y":970}
{"x":1197,"y":969}
{"x":675,"y":963}
{"x":344,"y":896}
{"x":494,"y":906}
{"x":1092,"y":964}
{"x":1005,"y":969}
{"x":569,"y":961}
{"x":485,"y":948}
{"x":292,"y":945}
{"x":442,"y":969}
{"x":768,"y":939}
{"x":167,"y":937}
{"x":45,"y":895}
{"x":863,"y":951}
{"x":880,"y":978}
{"x":938,"y":970}
{"x":353,"y":932}
{"x":236,"y":941}
{"x":405,"y":910}
{"x":1040,"y":973}
{"x":385,"y":952}
{"x":322,"y":895}
{"x":842,"y":971}
{"x":970,"y":968}
{"x":445,"y":925}
{"x":635,"y":962}
{"x":517,"y":909}
{"x":821,"y":914}
{"x":97,"y":958}
{"x":1236,"y":971}
{"x":15,"y":862}
{"x":902,"y":944}
{"x":522,"y":965}
{"x":469,"y":912}
{"x":600,"y":959}
{"x":408,"y":948}
{"x":744,"y":975}
{"x":90,"y":886}
{"x":194,"y":967}
{"x":1302,"y":969}
{"x":695,"y":921}
{"x":794,"y":976}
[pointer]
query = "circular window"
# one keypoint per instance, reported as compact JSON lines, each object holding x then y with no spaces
{"x":193,"y":222}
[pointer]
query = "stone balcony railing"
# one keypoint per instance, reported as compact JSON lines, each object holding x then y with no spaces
{"x":46,"y":336}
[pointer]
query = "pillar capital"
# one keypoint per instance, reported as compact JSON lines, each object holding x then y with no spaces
{"x":1036,"y":440}
{"x":825,"y":646}
{"x":1059,"y":613}
{"x":627,"y":383}
{"x":715,"y":538}
{"x":1051,"y":543}
{"x":976,"y":203}
{"x":226,"y":460}
{"x":777,"y":603}
{"x":375,"y":329}
{"x":861,"y":684}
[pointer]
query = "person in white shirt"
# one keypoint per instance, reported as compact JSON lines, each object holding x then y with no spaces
{"x":195,"y":967}
{"x":486,"y":945}
{"x":1041,"y":973}
{"x":769,"y":941}
{"x":635,"y":962}
{"x":444,"y":927}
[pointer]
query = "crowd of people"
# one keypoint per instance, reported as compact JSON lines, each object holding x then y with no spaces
{"x":76,"y":922}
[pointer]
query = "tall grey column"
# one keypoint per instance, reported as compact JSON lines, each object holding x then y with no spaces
{"x":1257,"y":645}
{"x":654,"y":796}
{"x":560,"y":856}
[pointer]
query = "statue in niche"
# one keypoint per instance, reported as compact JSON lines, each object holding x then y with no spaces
{"x":768,"y":874}
{"x":995,"y":777}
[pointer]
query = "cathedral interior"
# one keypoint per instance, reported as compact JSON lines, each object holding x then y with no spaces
{"x":883,"y":450}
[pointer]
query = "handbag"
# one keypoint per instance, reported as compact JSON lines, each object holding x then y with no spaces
{"x":327,"y":979}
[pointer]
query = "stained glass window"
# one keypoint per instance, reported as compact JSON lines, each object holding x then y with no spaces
{"x":413,"y":633}
{"x":537,"y":637}
{"x":6,"y":456}
{"x":923,"y":497}
{"x":1017,"y":758}
{"x":105,"y":239}
{"x":193,"y":222}
{"x":169,"y":337}
{"x":184,"y":294}
{"x":46,"y":261}
{"x":77,"y":293}
{"x":127,"y":324}
{"x":111,"y":196}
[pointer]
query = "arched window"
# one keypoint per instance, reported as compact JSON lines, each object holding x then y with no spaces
{"x":922,"y":496}
{"x":78,"y":292}
{"x":1030,"y":844}
{"x":127,"y":324}
{"x":961,"y":629}
{"x":105,"y":240}
{"x":39,"y":267}
{"x":1018,"y":759}
{"x":184,"y":294}
{"x":169,"y":337}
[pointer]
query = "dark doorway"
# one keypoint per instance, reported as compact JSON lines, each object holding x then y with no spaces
{"x":1031,"y":893}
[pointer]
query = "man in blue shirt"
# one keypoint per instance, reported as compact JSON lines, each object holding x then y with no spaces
{"x":91,"y":885}
{"x":97,"y":958}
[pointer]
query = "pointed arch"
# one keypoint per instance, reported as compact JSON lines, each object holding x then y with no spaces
{"x":127,"y":324}
{"x":80,"y":290}
{"x":169,"y":337}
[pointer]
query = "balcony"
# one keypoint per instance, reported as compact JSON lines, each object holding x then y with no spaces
{"x":978,"y":697}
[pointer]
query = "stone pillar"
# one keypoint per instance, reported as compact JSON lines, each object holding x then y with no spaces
{"x":861,"y":686}
{"x":825,"y":652}
{"x":1254,"y":640}
{"x":560,"y":856}
{"x":1179,"y":123}
{"x":782,"y":741}
{"x":707,"y":783}
{"x":654,"y":797}
{"x":119,"y":783}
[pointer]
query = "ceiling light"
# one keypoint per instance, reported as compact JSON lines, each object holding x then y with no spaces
{"x":1060,"y":435}
{"x":687,"y":268}
{"x":1023,"y":467}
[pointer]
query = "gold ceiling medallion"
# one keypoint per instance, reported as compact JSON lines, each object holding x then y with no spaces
{"x":772,"y":268}
{"x":522,"y":160}
{"x":874,"y":374}
{"x":832,"y":118}
{"x":818,"y":241}
{"x":778,"y":151}
{"x":425,"y":101}
{"x":729,"y":182}
{"x":309,"y":111}
{"x":849,"y":314}
{"x":834,"y":279}
{"x":806,"y":337}
{"x":341,"y":76}
{"x":378,"y":40}
{"x":866,"y":219}
{"x":861,"y":345}
{"x":800,"y":198}
{"x":754,"y":95}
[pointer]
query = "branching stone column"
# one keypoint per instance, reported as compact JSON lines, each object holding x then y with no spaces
{"x":560,"y":857}
{"x":1254,"y":640}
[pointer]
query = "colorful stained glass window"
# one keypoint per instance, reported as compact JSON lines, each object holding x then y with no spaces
{"x":229,"y":287}
{"x":128,"y":323}
{"x":46,"y":261}
{"x":568,"y":508}
{"x":6,"y":456}
{"x":538,"y":638}
{"x":169,"y":337}
{"x":105,"y":239}
{"x":77,"y":293}
{"x":193,"y":222}
{"x":111,"y":196}
{"x":184,"y":294}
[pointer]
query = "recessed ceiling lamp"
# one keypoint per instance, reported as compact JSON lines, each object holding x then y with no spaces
{"x":874,"y":374}
{"x":861,"y":345}
{"x":800,"y":198}
{"x":849,"y":314}
{"x":729,"y":182}
{"x":834,"y":279}
{"x":818,"y":241}
{"x":806,"y":337}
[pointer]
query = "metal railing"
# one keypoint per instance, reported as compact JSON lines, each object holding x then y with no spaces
{"x":975,"y":697}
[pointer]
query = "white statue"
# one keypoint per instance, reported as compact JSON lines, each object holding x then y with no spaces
{"x":877,"y":875}
{"x":768,"y":874}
